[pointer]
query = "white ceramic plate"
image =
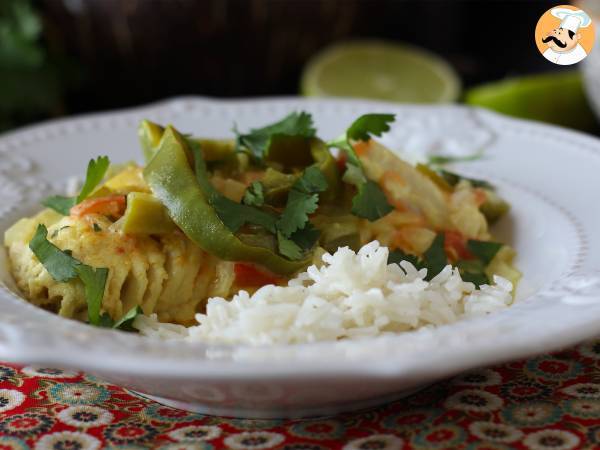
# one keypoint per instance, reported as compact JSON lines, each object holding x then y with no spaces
{"x":550,"y":175}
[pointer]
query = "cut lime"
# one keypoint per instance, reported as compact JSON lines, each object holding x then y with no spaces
{"x":557,"y":98}
{"x":380,"y":70}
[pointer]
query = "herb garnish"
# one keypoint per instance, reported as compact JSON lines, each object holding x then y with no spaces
{"x":62,"y":267}
{"x":302,"y":200}
{"x":258,"y":140}
{"x":96,"y":171}
{"x":435,"y":259}
{"x":370,"y":201}
{"x":254,"y":195}
{"x":234,"y":215}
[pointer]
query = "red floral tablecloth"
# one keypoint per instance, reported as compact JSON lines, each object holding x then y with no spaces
{"x":551,"y":402}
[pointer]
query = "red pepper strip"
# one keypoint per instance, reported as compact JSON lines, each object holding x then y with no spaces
{"x":249,"y":275}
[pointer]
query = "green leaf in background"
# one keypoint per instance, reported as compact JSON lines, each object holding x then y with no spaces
{"x":20,"y":29}
{"x":30,"y":85}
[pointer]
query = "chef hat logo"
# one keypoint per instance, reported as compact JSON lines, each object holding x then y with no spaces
{"x":570,"y":19}
{"x":565,"y":35}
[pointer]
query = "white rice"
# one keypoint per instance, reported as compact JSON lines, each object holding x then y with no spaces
{"x":352,"y":295}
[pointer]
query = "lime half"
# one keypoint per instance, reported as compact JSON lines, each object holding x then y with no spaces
{"x":556,"y":97}
{"x":380,"y":70}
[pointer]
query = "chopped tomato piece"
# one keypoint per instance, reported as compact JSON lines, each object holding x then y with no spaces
{"x":249,"y":275}
{"x":455,"y":245}
{"x":361,"y":147}
{"x":109,"y":206}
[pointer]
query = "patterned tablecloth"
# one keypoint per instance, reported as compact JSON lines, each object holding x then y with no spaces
{"x":551,"y":402}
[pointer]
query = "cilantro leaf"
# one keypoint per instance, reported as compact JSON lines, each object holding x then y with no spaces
{"x":60,"y":204}
{"x":473,"y":271}
{"x":302,"y":200}
{"x":434,"y":259}
{"x":125,"y":322}
{"x":484,"y":250}
{"x":94,"y":282}
{"x":369,"y":125}
{"x":254,"y":195}
{"x":396,"y":256}
{"x":62,"y":267}
{"x":288,"y":248}
{"x":233,"y":215}
{"x":435,"y":256}
{"x":307,"y":237}
{"x":95,"y":173}
{"x":311,"y":181}
{"x":258,"y":140}
{"x":370,"y":202}
{"x":295,"y":215}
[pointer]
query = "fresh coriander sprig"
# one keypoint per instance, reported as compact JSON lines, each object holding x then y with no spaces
{"x":258,"y":140}
{"x":294,"y":230}
{"x":95,"y":173}
{"x":370,"y":201}
{"x":234,"y":215}
{"x":63,"y":268}
{"x":435,"y":259}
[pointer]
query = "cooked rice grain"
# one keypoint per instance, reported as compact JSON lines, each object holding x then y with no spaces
{"x":352,"y":295}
